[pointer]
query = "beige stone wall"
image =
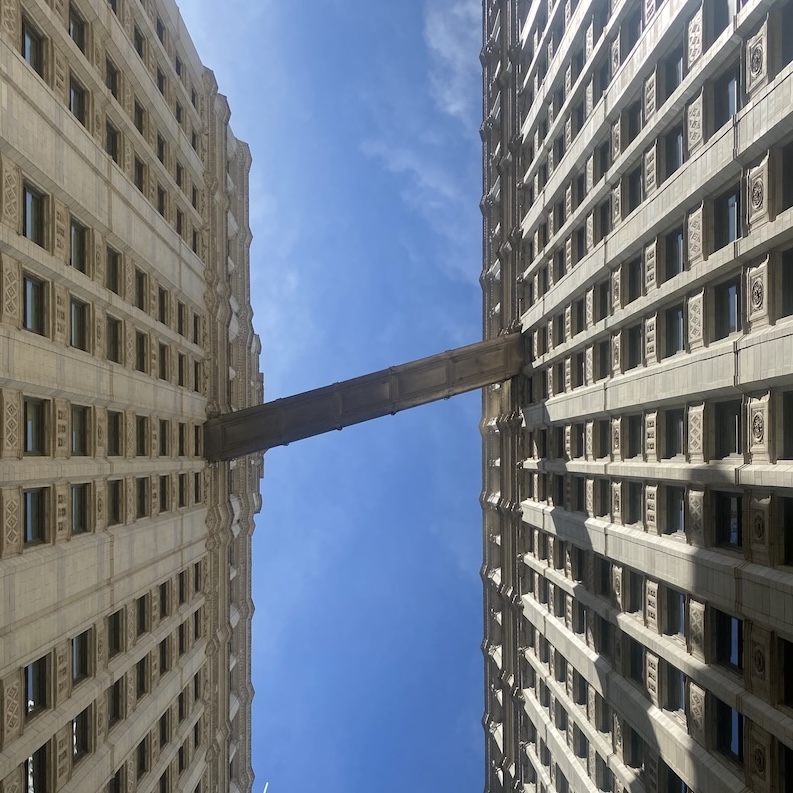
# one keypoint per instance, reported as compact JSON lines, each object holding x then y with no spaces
{"x":641,"y":606}
{"x":108,"y":369}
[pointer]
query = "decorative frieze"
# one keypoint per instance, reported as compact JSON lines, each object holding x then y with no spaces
{"x":651,"y":677}
{"x":616,"y":204}
{"x":616,"y":354}
{"x":616,"y":147}
{"x":695,"y":243}
{"x":651,"y":508}
{"x":590,"y":497}
{"x":60,"y":329}
{"x":62,"y":527}
{"x":12,"y":699}
{"x":62,"y":411}
{"x":615,"y":54}
{"x":616,"y":585}
{"x":64,"y":742}
{"x":589,"y":365}
{"x":11,"y":538}
{"x":616,"y":438}
{"x":759,"y":758}
{"x":616,"y":502}
{"x":63,"y":676}
{"x":650,"y":94}
{"x":590,"y":231}
{"x":10,"y":282}
{"x":650,"y":161}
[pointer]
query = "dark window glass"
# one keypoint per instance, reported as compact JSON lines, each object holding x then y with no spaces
{"x":728,"y":518}
{"x":35,"y":439}
{"x":675,"y":335}
{"x":34,"y":305}
{"x":729,"y":731}
{"x":729,"y":439}
{"x":111,"y":141}
{"x":78,"y":101}
{"x":77,"y":27}
{"x":79,"y":324}
{"x":727,"y":299}
{"x":36,"y":698}
{"x":726,"y":96}
{"x":33,"y":215}
{"x":32,"y":46}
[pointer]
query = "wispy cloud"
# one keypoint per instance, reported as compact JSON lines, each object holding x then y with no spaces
{"x":452,"y":31}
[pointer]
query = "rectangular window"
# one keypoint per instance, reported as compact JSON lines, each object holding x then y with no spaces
{"x":675,"y":689}
{"x":81,"y":735}
{"x":161,"y":82}
{"x":142,"y":614}
{"x":141,"y":352}
{"x":179,"y":113}
{"x":635,"y":436}
{"x":77,"y":27}
{"x":785,"y":282}
{"x":162,"y":360}
{"x":115,"y":431}
{"x":113,"y":277}
{"x":675,"y":333}
{"x":140,"y":175}
{"x":116,"y":784}
{"x":165,"y":657}
{"x":182,"y":439}
{"x":165,"y":437}
{"x":727,"y":300}
{"x":36,"y":771}
{"x":165,"y":599}
{"x":182,"y":706}
{"x":674,"y":433}
{"x":115,"y":702}
{"x":111,"y":77}
{"x":165,"y":729}
{"x":197,"y":376}
{"x":634,"y":593}
{"x":182,"y":633}
{"x":727,"y":218}
{"x":674,"y":71}
{"x":675,"y":510}
{"x":115,"y":633}
{"x":78,"y":101}
{"x":79,"y":324}
{"x":141,"y":289}
{"x":182,"y":490}
{"x":32,"y":46}
{"x":165,"y":493}
{"x":142,"y":436}
{"x":142,"y":758}
{"x":728,"y":426}
{"x":139,"y":117}
{"x":161,"y":148}
{"x":36,"y":429}
{"x":675,"y":613}
{"x":728,"y":519}
{"x":139,"y":42}
{"x":635,"y":351}
{"x":114,"y":339}
{"x":34,"y":306}
{"x":111,"y":141}
{"x":635,"y":660}
{"x":635,"y":511}
{"x":182,"y":587}
{"x":80,"y":430}
{"x":729,"y":731}
{"x":34,"y":206}
{"x":673,"y":145}
{"x":162,"y":201}
{"x":182,"y":370}
{"x":115,"y":501}
{"x":163,"y":305}
{"x":80,"y":499}
{"x":634,"y":280}
{"x":675,"y":248}
{"x":80,"y":656}
{"x":726,"y":96}
{"x":786,"y":445}
{"x":635,"y":189}
{"x":36,"y":687}
{"x":142,"y":496}
{"x":197,"y":329}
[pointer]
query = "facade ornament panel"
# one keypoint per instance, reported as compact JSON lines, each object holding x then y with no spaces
{"x":695,"y":526}
{"x":695,"y":306}
{"x":756,"y":74}
{"x":759,"y":193}
{"x":695,"y":37}
{"x":12,"y":187}
{"x":757,"y":290}
{"x":695,"y":122}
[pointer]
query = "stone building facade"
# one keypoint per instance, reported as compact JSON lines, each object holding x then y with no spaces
{"x":638,"y":495}
{"x":125,"y":321}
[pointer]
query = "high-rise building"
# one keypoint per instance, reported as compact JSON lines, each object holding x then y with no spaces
{"x":638,"y":498}
{"x":125,"y":321}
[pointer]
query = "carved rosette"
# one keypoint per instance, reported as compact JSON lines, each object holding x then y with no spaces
{"x":758,"y":757}
{"x":759,"y":528}
{"x":758,"y":194}
{"x":756,"y":69}
{"x":757,"y":289}
{"x":759,"y":445}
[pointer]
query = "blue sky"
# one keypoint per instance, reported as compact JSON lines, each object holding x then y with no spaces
{"x":363,"y":121}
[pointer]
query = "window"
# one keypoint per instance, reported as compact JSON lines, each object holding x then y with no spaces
{"x":674,"y":689}
{"x":141,"y":352}
{"x":182,"y":706}
{"x":179,"y":113}
{"x":194,"y":197}
{"x":785,"y":282}
{"x":114,"y":339}
{"x":113,"y":278}
{"x":165,"y":657}
{"x":674,"y":433}
{"x":674,"y":253}
{"x":80,"y":499}
{"x":80,"y":660}
{"x":634,"y":511}
{"x":36,"y":771}
{"x":727,"y":218}
{"x":140,"y":175}
{"x":635,"y":189}
{"x":35,"y":440}
{"x":142,"y":614}
{"x":635,"y":660}
{"x":111,"y":77}
{"x":77,"y":28}
{"x":182,"y":587}
{"x":728,"y":426}
{"x":675,"y":510}
{"x":635,"y":436}
{"x":197,"y":376}
{"x":32,"y":46}
{"x":165,"y":493}
{"x":139,"y":117}
{"x":165,"y":729}
{"x":160,"y":30}
{"x":634,"y":280}
{"x":162,"y":360}
{"x":197,"y":576}
{"x":111,"y":141}
{"x":115,"y":429}
{"x":142,"y":758}
{"x":78,"y":101}
{"x":141,"y":289}
{"x":634,"y":355}
{"x":165,"y":437}
{"x":80,"y":430}
{"x":163,"y":306}
{"x":78,"y":246}
{"x":142,"y":436}
{"x":79,"y":324}
{"x":182,"y":490}
{"x":34,"y":508}
{"x":197,"y":735}
{"x":197,"y":624}
{"x":729,"y":731}
{"x":161,"y":82}
{"x":142,"y":496}
{"x":727,"y":299}
{"x":36,"y":693}
{"x":177,"y":65}
{"x":675,"y":613}
{"x":138,"y":41}
{"x":142,"y":677}
{"x":674,"y":71}
{"x":726,"y":96}
{"x":165,"y":599}
{"x":115,"y":702}
{"x":81,"y":735}
{"x":115,"y":633}
{"x":634,"y":593}
{"x":673,"y":145}
{"x":33,"y":215}
{"x":182,"y":439}
{"x":34,"y":307}
{"x":728,"y":519}
{"x":182,"y":634}
{"x":116,"y":784}
{"x":162,"y":200}
{"x":675,"y":334}
{"x":196,"y":239}
{"x":161,"y":148}
{"x":181,"y":378}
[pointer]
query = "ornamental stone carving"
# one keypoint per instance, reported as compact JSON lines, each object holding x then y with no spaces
{"x":651,"y":604}
{"x":589,"y":365}
{"x":11,"y":193}
{"x":590,"y":231}
{"x":695,"y":132}
{"x":696,"y":626}
{"x":695,"y":320}
{"x":696,"y":416}
{"x":650,"y":340}
{"x":759,"y":447}
{"x":651,"y":508}
{"x":650,"y":93}
{"x":759,"y":655}
{"x":10,"y":275}
{"x":616,"y":147}
{"x":616,"y":502}
{"x":63,"y":678}
{"x":589,"y":40}
{"x":616,"y":354}
{"x":694,"y":236}
{"x":695,"y":33}
{"x":696,"y":713}
{"x":12,"y":423}
{"x":62,"y":527}
{"x":12,"y":700}
{"x":590,"y":172}
{"x":758,"y":193}
{"x":616,"y":204}
{"x":615,"y":54}
{"x":616,"y":438}
{"x":756,"y":71}
{"x":651,"y":668}
{"x":759,"y":536}
{"x":695,"y":529}
{"x":11,"y":538}
{"x":759,"y":750}
{"x":756,"y":283}
{"x":650,"y":169}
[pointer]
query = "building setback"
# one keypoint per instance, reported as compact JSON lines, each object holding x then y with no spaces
{"x":638,"y":480}
{"x":125,"y":322}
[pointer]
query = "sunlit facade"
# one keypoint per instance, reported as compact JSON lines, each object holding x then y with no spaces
{"x":638,"y":480}
{"x":125,"y":322}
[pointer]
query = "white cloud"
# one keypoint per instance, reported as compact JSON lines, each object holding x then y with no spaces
{"x":452,"y":31}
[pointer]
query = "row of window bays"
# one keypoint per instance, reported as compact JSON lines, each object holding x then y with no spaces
{"x":721,"y":431}
{"x":583,"y":717}
{"x":723,"y":92}
{"x":155,"y":181}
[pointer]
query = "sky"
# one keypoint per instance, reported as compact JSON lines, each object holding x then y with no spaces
{"x":363,"y":120}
